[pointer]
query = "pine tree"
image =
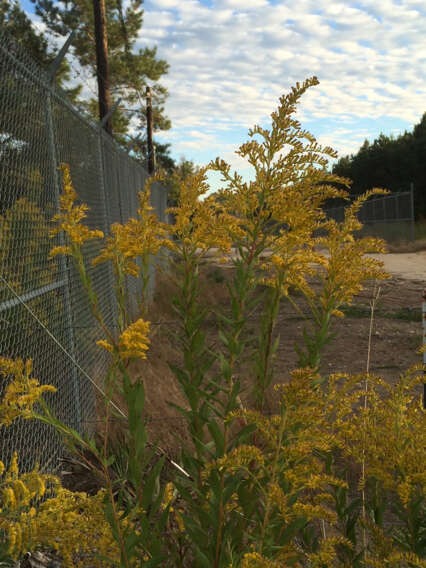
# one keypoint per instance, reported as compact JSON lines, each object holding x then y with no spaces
{"x":130,"y":69}
{"x":15,"y":22}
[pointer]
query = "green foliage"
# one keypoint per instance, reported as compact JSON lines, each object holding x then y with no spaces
{"x":130,"y":69}
{"x":17,"y":24}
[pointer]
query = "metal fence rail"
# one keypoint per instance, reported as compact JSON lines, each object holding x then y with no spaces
{"x":390,"y":217}
{"x":39,"y":129}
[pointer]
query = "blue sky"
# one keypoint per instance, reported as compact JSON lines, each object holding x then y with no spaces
{"x":230,"y":60}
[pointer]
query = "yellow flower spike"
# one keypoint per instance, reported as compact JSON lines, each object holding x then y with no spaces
{"x":13,"y":471}
{"x":105,"y":345}
{"x":201,"y":223}
{"x":168,"y":495}
{"x":21,"y":393}
{"x":11,"y":537}
{"x":133,"y":342}
{"x":9,"y":497}
{"x":138,"y":238}
{"x":179,"y":521}
{"x":70,"y":217}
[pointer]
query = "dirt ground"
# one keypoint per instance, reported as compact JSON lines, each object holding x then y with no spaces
{"x":397,"y":333}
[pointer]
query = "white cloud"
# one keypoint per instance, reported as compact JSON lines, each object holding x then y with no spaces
{"x":230,"y":60}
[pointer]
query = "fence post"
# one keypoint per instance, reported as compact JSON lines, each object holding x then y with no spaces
{"x":413,"y":234}
{"x":62,"y":260}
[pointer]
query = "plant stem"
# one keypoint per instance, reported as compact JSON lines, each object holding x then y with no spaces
{"x":274,"y":477}
{"x":363,"y":474}
{"x":265,"y":343}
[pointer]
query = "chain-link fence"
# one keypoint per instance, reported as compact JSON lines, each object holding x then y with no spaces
{"x":39,"y":129}
{"x":390,"y":217}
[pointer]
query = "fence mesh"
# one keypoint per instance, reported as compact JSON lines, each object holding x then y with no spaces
{"x":39,"y":129}
{"x":390,"y":217}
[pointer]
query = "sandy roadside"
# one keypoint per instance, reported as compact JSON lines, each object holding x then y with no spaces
{"x":409,"y":265}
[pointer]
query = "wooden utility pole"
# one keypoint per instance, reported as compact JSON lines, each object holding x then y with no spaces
{"x":151,"y":155}
{"x":101,"y":40}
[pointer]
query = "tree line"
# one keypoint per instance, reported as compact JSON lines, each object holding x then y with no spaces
{"x":390,"y":162}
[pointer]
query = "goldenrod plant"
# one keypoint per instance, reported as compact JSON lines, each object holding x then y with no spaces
{"x":332,"y":476}
{"x":133,"y":509}
{"x":273,"y":221}
{"x":35,"y":510}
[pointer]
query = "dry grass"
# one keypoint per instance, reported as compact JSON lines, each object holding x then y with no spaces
{"x":404,"y":247}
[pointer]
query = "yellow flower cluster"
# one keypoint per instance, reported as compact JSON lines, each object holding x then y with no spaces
{"x":70,"y":218}
{"x":287,"y":556}
{"x":256,"y":560}
{"x":73,"y":524}
{"x":175,"y":513}
{"x":21,"y":392}
{"x":200,"y":222}
{"x":326,"y":555}
{"x":136,"y":238}
{"x":390,"y":434}
{"x":347,"y":266}
{"x":18,"y":496}
{"x":133,"y":342}
{"x":85,"y":535}
{"x":384,"y":554}
{"x":240,"y":458}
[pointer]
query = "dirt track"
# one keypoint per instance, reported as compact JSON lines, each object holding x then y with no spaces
{"x":409,"y":265}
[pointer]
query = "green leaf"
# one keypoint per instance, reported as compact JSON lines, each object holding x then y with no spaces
{"x":109,"y":461}
{"x":150,"y":484}
{"x":201,"y":559}
{"x":218,"y":438}
{"x":181,"y":375}
{"x":138,"y":402}
{"x":139,"y":436}
{"x":242,"y":435}
{"x":352,"y":506}
{"x":293,"y":528}
{"x":275,"y":345}
{"x":225,"y":367}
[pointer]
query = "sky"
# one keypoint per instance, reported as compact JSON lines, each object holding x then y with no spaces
{"x":231,"y":60}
